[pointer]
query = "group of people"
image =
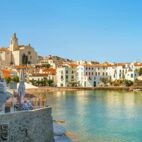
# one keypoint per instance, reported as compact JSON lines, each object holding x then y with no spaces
{"x":27,"y":105}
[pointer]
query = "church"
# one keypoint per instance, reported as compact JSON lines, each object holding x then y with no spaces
{"x":17,"y":54}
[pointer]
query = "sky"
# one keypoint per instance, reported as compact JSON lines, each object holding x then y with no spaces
{"x":99,"y":30}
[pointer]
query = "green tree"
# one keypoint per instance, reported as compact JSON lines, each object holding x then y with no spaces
{"x":8,"y":80}
{"x":46,"y":65}
{"x":50,"y":82}
{"x":33,"y":82}
{"x":105,"y":80}
{"x":140,"y":71}
{"x":15,"y":79}
{"x":128,"y":83}
{"x":43,"y":82}
{"x":118,"y":82}
{"x":38,"y":82}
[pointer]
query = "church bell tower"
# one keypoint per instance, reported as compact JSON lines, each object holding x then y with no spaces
{"x":13,"y":43}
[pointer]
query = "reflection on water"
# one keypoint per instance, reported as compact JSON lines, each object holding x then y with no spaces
{"x":100,"y":116}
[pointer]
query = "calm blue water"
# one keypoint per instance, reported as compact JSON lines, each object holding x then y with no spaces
{"x":100,"y":116}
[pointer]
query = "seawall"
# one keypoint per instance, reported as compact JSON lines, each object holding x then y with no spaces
{"x":27,"y":126}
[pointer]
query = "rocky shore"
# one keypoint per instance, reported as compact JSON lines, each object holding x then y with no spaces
{"x":54,"y":89}
{"x":63,"y":135}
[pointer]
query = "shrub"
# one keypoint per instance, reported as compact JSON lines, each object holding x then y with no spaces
{"x":8,"y":80}
{"x":50,"y":82}
{"x":117,"y":82}
{"x":46,"y":65}
{"x":128,"y":83}
{"x":105,"y":80}
{"x":15,"y":79}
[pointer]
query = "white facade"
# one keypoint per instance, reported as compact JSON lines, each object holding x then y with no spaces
{"x":131,"y":75}
{"x":90,"y":75}
{"x":66,"y":76}
{"x":42,"y":76}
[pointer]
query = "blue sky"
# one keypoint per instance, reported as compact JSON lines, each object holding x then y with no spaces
{"x":103,"y":30}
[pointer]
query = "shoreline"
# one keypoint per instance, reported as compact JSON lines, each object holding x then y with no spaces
{"x":55,"y":89}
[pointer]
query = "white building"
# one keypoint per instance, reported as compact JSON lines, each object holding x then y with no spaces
{"x":49,"y":74}
{"x":66,"y":76}
{"x":91,"y":75}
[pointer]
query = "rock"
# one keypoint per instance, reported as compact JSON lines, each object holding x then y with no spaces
{"x":58,"y":130}
{"x":62,"y":139}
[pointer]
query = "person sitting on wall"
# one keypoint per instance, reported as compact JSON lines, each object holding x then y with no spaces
{"x":25,"y":106}
{"x":30,"y":106}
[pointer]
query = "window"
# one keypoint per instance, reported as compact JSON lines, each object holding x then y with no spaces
{"x":66,"y":71}
{"x":61,"y":72}
{"x":132,"y":75}
{"x":62,"y":77}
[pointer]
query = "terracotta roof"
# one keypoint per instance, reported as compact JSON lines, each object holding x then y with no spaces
{"x":73,"y":65}
{"x":22,"y":67}
{"x":120,"y":64}
{"x":138,"y":64}
{"x":6,"y":73}
{"x":50,"y":71}
{"x":40,"y":74}
{"x":3,"y":49}
{"x":98,"y":65}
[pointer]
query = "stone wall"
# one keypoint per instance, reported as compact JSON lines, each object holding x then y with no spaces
{"x":27,"y":126}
